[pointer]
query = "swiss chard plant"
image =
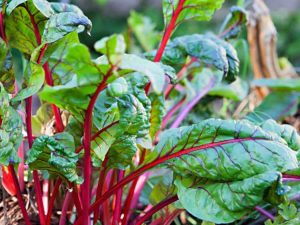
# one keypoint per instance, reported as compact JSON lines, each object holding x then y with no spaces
{"x":112,"y":134}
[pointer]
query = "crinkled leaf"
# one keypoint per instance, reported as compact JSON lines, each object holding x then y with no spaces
{"x":237,"y":90}
{"x":150,"y":69}
{"x":140,"y":102}
{"x":55,"y":155}
{"x":225,"y":202}
{"x":237,"y":17}
{"x":10,"y":130}
{"x":144,"y":30}
{"x":70,"y":96}
{"x":231,"y":54}
{"x":271,"y":107}
{"x":119,"y":121}
{"x":109,"y":129}
{"x":208,"y":49}
{"x":64,"y":23}
{"x":279,"y":84}
{"x":122,"y":151}
{"x":157,"y":113}
{"x":10,"y":135}
{"x":192,"y":9}
{"x":34,"y":80}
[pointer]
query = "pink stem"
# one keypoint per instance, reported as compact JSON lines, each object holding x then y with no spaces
{"x":180,"y":74}
{"x":169,"y":31}
{"x":87,"y":127}
{"x":182,"y":115}
{"x":172,"y":111}
{"x":52,"y":200}
{"x":45,"y":194}
{"x":21,"y":154}
{"x":19,"y":194}
{"x":118,"y":201}
{"x":37,"y":187}
{"x":100,"y":186}
{"x":155,"y":209}
{"x":64,"y":211}
{"x":264,"y":212}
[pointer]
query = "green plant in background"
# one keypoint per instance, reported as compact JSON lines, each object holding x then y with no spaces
{"x":112,"y":140}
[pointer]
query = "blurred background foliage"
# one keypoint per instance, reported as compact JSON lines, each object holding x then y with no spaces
{"x":111,"y":16}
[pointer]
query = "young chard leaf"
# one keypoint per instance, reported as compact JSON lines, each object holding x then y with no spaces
{"x":56,"y":155}
{"x":192,"y":9}
{"x":157,"y":113}
{"x":144,"y":30}
{"x":152,"y":70}
{"x":33,"y":81}
{"x":113,"y":45}
{"x":10,"y":130}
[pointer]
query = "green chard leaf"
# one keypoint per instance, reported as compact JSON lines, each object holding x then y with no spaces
{"x":41,"y":119}
{"x":33,"y":81}
{"x":192,"y":9}
{"x":112,"y":45}
{"x":157,"y":113}
{"x":12,"y":4}
{"x":7,"y":76}
{"x":231,"y":165}
{"x":55,"y":155}
{"x":19,"y":29}
{"x":144,"y":30}
{"x":10,"y":130}
{"x":152,"y":70}
{"x":225,"y":202}
{"x":236,"y":91}
{"x":119,"y":121}
{"x":44,"y":7}
{"x":56,"y":55}
{"x":77,"y":75}
{"x":68,"y":18}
